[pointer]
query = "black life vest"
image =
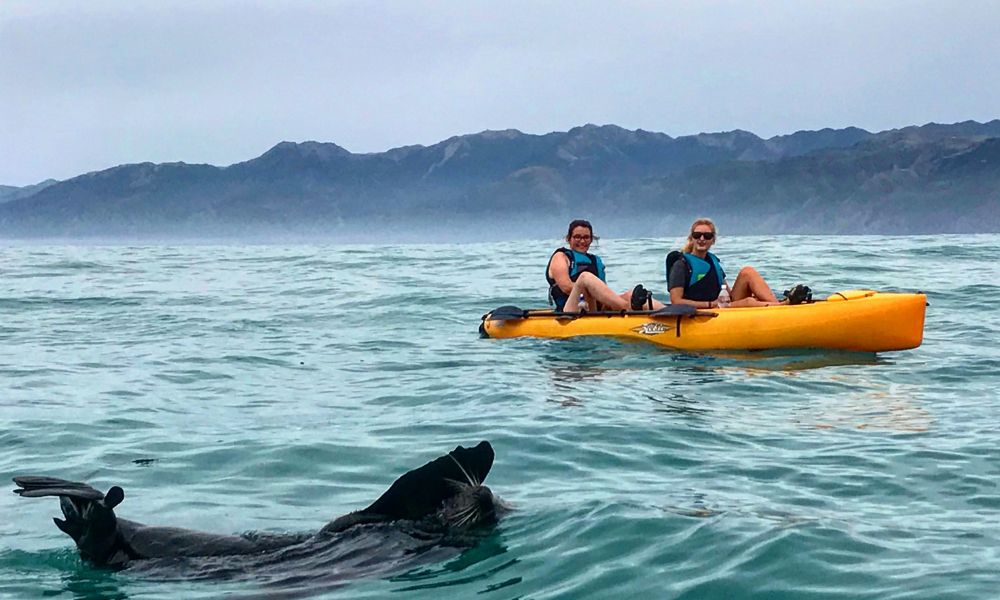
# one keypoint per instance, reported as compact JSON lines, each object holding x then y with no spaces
{"x":705,"y":277}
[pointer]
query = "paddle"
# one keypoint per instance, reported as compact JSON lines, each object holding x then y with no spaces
{"x":511,"y":313}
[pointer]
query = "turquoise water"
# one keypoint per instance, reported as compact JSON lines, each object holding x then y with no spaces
{"x":235,"y":388}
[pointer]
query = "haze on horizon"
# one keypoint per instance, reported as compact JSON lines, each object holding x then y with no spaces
{"x":90,"y":85}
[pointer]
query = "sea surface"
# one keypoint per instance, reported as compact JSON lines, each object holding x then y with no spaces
{"x":231,"y":388}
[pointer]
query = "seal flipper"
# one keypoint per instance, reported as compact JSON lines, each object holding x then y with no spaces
{"x":32,"y":486}
{"x":89,"y":515}
{"x":421,"y":491}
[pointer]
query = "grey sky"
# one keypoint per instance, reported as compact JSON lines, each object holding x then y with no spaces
{"x":91,"y":84}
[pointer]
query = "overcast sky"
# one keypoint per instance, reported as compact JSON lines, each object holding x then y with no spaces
{"x":90,"y":84}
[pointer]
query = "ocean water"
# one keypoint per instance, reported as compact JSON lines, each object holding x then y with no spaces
{"x":234,"y":388}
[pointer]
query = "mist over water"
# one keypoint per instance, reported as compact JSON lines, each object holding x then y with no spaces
{"x":230,"y":388}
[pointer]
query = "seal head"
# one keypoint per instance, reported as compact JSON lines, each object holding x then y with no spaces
{"x":447,"y":492}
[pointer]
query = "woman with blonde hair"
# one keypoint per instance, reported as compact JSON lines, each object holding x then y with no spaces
{"x":695,"y":276}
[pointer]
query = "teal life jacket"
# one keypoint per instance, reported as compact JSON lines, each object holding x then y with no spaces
{"x":578,"y":263}
{"x":705,"y":277}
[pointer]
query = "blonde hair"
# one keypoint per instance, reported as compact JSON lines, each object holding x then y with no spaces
{"x":689,"y":244}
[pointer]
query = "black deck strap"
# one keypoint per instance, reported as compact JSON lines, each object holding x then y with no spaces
{"x":671,"y":310}
{"x":680,"y":310}
{"x":505,"y":313}
{"x":678,"y":328}
{"x":841,"y":295}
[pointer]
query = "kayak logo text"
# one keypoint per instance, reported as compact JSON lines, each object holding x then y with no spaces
{"x":653,"y":328}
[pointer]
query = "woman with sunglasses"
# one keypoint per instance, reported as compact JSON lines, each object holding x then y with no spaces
{"x":695,"y":275}
{"x":574,"y":271}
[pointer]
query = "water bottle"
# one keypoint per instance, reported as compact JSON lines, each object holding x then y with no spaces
{"x":581,"y":304}
{"x":724,"y":296}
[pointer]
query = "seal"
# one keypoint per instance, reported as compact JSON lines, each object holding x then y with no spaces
{"x":433,"y":504}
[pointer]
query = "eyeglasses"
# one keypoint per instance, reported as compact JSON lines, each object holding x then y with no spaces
{"x":582,"y":238}
{"x":697,"y":235}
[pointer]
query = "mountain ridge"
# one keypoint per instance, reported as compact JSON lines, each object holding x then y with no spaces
{"x":898,"y":181}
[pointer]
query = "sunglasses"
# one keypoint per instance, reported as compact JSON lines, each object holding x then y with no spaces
{"x":697,"y":235}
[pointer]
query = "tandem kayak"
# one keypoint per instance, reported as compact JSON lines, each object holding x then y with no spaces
{"x":853,"y":320}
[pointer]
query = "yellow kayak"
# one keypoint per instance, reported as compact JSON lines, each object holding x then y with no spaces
{"x":853,"y":320}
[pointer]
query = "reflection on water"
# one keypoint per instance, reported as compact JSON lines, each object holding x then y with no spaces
{"x":700,"y":508}
{"x":897,"y":411}
{"x":440,"y":575}
{"x":680,"y":383}
{"x":794,"y":360}
{"x":592,"y":356}
{"x":577,"y":367}
{"x":678,"y":404}
{"x":87,"y":583}
{"x":56,"y":573}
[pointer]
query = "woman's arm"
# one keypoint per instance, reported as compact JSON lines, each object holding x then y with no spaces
{"x":677,"y":297}
{"x":559,"y":271}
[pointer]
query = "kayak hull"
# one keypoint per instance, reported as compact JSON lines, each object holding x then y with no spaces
{"x":855,"y":320}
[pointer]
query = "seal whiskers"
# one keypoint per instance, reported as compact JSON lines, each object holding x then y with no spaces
{"x":468,"y":477}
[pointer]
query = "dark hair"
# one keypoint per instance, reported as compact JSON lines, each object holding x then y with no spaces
{"x":578,"y":223}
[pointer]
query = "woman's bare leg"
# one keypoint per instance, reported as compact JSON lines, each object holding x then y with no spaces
{"x":750,"y":284}
{"x":751,"y":301}
{"x":657,"y":305}
{"x":594,"y":291}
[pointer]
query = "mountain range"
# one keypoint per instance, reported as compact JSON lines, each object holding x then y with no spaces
{"x":506,"y":184}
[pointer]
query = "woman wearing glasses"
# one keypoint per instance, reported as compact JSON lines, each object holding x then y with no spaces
{"x":695,"y":276}
{"x":574,"y":271}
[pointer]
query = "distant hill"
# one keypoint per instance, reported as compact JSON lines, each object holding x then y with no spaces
{"x":497,"y":184}
{"x":9,"y":192}
{"x":909,"y":181}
